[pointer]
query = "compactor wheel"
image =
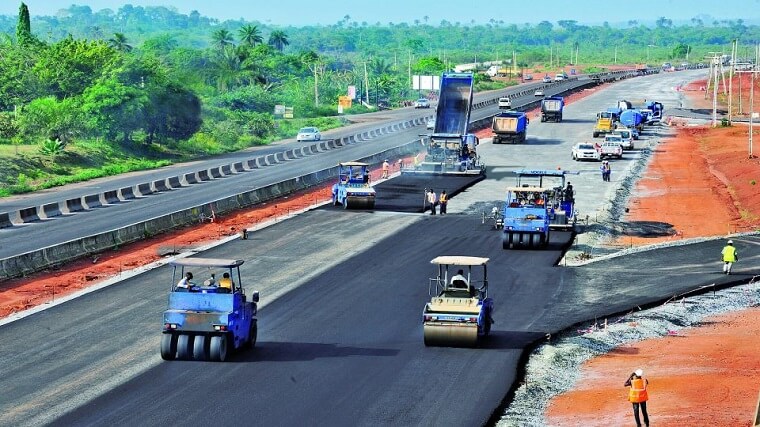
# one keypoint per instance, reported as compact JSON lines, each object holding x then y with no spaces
{"x":200,"y":348}
{"x":185,"y":347}
{"x":451,"y":336}
{"x":252,"y":334}
{"x":168,"y":346}
{"x":219,"y":348}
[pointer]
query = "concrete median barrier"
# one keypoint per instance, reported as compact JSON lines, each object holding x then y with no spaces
{"x":127,"y":193}
{"x":92,"y":201}
{"x":111,"y":197}
{"x":5,"y":220}
{"x":203,"y":175}
{"x":29,"y":214}
{"x":51,"y":210}
{"x":74,"y":205}
{"x":190,"y":178}
{"x":226,"y":169}
{"x":271,"y":159}
{"x":145,"y":189}
{"x":238,"y":167}
{"x":174,"y":182}
{"x":160,"y":185}
{"x":252,"y":163}
{"x":216,"y":172}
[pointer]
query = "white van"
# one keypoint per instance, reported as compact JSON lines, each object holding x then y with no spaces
{"x":505,"y":103}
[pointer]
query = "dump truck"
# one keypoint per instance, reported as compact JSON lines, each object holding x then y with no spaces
{"x":509,"y":126}
{"x":605,"y":121}
{"x":459,"y":313}
{"x":551,"y":108}
{"x":353,"y":189}
{"x":538,"y":203}
{"x":208,"y":320}
{"x":450,"y":149}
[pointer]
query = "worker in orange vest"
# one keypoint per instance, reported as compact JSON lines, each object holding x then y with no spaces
{"x":637,"y":395}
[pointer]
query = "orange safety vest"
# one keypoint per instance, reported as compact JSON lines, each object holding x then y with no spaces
{"x":638,"y":391}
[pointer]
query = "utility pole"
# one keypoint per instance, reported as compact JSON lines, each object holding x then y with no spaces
{"x":731,"y":80}
{"x":752,"y":114}
{"x":615,"y":60}
{"x":366,"y":81}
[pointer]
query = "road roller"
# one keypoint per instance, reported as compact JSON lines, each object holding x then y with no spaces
{"x":353,"y":189}
{"x":459,"y":313}
{"x":208,"y":315}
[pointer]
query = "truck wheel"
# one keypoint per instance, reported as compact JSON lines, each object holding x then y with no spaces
{"x":596,"y":134}
{"x":185,"y":347}
{"x":219,"y":348}
{"x":168,"y":346}
{"x":506,"y":241}
{"x":200,"y":348}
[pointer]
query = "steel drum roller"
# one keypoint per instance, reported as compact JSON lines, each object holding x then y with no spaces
{"x":451,"y":335}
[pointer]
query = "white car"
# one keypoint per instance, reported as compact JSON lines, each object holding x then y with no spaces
{"x":626,"y":136}
{"x":431,"y":123}
{"x":547,"y":79}
{"x":308,"y":134}
{"x":505,"y":103}
{"x":539,"y":92}
{"x":585,"y":151}
{"x":422,"y":103}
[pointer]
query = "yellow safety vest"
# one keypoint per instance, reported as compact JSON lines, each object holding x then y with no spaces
{"x":729,"y":254}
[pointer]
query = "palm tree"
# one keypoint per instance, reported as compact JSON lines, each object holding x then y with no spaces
{"x":250,"y":35}
{"x":119,"y":42}
{"x":222,"y":38}
{"x":278,"y":39}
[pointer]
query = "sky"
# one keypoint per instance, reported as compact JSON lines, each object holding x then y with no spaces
{"x":326,"y":12}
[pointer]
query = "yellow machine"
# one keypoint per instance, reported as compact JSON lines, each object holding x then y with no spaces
{"x":604,"y":123}
{"x":459,"y":311}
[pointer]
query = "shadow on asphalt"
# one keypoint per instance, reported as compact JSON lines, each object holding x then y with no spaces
{"x":503,"y":340}
{"x":271,"y":351}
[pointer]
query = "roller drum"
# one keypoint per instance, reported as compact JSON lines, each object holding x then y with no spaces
{"x":363,"y":202}
{"x":451,"y":334}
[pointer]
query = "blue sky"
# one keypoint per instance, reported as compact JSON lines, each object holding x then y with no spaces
{"x":305,"y":12}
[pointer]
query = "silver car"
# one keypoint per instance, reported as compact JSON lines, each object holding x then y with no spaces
{"x":422,"y":103}
{"x":308,"y":134}
{"x":585,"y":151}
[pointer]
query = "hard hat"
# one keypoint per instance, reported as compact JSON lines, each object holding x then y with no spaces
{"x":639,"y":372}
{"x":730,"y":242}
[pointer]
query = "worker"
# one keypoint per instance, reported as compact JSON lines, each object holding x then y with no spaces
{"x":386,"y":168}
{"x":459,"y":281}
{"x":226,"y":283}
{"x":729,"y":256}
{"x":569,"y":193}
{"x":606,"y":170}
{"x":185,"y":283}
{"x":638,"y":395}
{"x":211,"y":281}
{"x":432,"y":199}
{"x":443,"y":200}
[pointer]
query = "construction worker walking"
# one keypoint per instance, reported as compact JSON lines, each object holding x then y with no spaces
{"x":729,"y":255}
{"x":386,"y":167}
{"x":443,"y":200}
{"x":638,"y":396}
{"x":432,"y":199}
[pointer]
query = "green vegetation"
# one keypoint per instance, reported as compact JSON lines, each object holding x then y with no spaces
{"x":107,"y":92}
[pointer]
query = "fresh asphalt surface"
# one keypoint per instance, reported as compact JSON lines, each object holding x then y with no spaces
{"x":340,"y":337}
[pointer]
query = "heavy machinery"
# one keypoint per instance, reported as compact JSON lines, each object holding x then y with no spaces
{"x":551,"y":108}
{"x":538,"y":203}
{"x":604,"y":123}
{"x":656,"y":108}
{"x":353,"y":190}
{"x":459,"y":313}
{"x":209,"y":320}
{"x":509,"y":126}
{"x":632,"y":119}
{"x":450,"y":149}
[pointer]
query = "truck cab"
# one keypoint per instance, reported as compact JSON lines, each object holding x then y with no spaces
{"x":604,"y":123}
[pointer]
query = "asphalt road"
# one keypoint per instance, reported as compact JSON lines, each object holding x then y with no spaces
{"x":28,"y":237}
{"x":340,"y":338}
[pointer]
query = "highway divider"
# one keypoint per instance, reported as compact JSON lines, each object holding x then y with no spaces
{"x":43,"y":258}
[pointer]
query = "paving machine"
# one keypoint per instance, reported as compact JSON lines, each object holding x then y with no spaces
{"x":459,"y":313}
{"x":353,"y":190}
{"x":450,"y":150}
{"x":539,"y":202}
{"x":208,"y":320}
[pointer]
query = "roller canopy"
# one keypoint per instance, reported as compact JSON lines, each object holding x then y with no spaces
{"x":208,"y":262}
{"x":354,"y":164}
{"x":459,"y":260}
